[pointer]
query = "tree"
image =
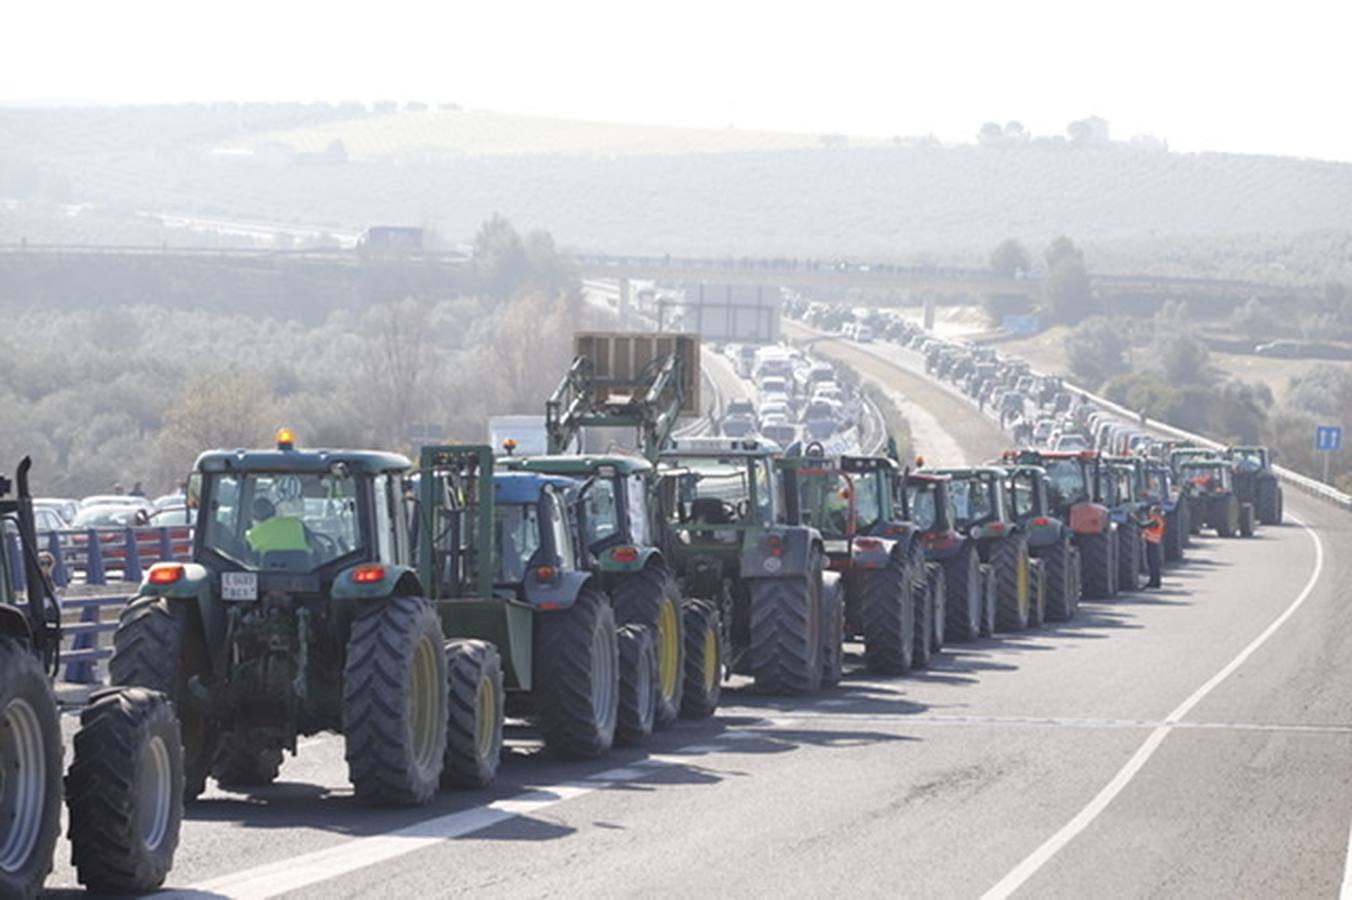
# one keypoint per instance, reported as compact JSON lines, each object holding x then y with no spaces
{"x":221,"y":410}
{"x":1256,"y":320}
{"x":1016,"y":133}
{"x":500,"y":257}
{"x":1096,"y":350}
{"x":991,"y":134}
{"x":1010,"y":259}
{"x":1059,"y":249}
{"x":396,"y":368}
{"x":1066,"y":293}
{"x":1184,"y":360}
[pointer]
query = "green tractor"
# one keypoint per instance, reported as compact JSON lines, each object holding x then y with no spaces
{"x":302,"y":612}
{"x":761,"y":584}
{"x":1212,"y":501}
{"x":1050,"y":540}
{"x":1256,"y":483}
{"x":856,"y":505}
{"x":1124,"y":491}
{"x":124,"y":790}
{"x":1075,"y":496}
{"x":641,"y":383}
{"x":966,"y":523}
{"x":500,"y":555}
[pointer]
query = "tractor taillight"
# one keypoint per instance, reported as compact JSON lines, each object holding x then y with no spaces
{"x":368,"y":574}
{"x":165,"y":573}
{"x":624,"y":554}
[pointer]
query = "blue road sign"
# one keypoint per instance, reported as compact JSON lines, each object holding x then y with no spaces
{"x":1328,"y":438}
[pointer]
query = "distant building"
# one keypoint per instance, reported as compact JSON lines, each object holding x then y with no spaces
{"x":390,"y":239}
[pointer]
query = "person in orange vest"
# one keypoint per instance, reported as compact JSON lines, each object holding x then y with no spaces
{"x":1154,"y":545}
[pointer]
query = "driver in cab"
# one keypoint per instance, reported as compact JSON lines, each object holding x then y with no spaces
{"x":273,"y":533}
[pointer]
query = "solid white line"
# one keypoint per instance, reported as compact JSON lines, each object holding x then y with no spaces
{"x":309,"y":869}
{"x":1039,"y":857}
{"x":1345,"y":893}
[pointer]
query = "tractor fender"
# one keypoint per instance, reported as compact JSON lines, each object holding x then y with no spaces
{"x":776,"y":552}
{"x":871,"y":552}
{"x":646,"y":556}
{"x":395,"y":580}
{"x":13,"y":623}
{"x":192,"y":584}
{"x":1089,"y":518}
{"x":559,"y":592}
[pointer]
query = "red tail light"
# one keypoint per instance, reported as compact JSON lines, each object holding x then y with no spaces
{"x":165,"y":573}
{"x":1042,"y":520}
{"x":368,"y":574}
{"x":868,"y":544}
{"x":545,"y":573}
{"x":624,"y":554}
{"x":776,"y":545}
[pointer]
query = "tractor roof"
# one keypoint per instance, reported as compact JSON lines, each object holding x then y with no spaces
{"x":366,"y":462}
{"x":972,"y":471}
{"x":560,"y":464}
{"x":927,"y":475}
{"x":526,"y":487}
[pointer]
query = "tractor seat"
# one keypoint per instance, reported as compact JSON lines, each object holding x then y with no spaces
{"x":709,"y":511}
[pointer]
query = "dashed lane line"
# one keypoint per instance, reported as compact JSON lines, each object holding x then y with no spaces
{"x":1029,"y":867}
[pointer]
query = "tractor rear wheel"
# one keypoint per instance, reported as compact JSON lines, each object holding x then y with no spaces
{"x":30,"y":757}
{"x":578,"y":677}
{"x":922,"y":601}
{"x":394,"y":702}
{"x":1009,"y":560}
{"x":1268,"y":501}
{"x":159,"y":645}
{"x":833,"y":629}
{"x":1227,"y":523}
{"x":1062,"y":595}
{"x":703,"y":659}
{"x":1129,"y":556}
{"x":1037,"y":593}
{"x":990,"y":593}
{"x":887,"y":609}
{"x":651,"y":597}
{"x":244,"y":761}
{"x":965,"y":596}
{"x":1246,"y":520}
{"x":1099,"y":564}
{"x":786,"y":642}
{"x":1173,"y":537}
{"x":477,"y":704}
{"x":934,"y":578}
{"x":125,"y":791}
{"x":638,"y":685}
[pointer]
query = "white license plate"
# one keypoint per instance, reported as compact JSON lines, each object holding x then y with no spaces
{"x":239,"y":585}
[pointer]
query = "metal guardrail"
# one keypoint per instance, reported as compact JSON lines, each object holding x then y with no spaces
{"x":86,"y":651}
{"x":94,"y":555}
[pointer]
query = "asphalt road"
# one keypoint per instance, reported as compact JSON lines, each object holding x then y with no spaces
{"x":1168,"y":743}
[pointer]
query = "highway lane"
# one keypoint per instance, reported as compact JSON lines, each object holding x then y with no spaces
{"x":939,"y":784}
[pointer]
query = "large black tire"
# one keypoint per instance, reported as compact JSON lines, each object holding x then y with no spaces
{"x":887,"y":611}
{"x":651,"y":597}
{"x":638,"y":685}
{"x":477,"y":703}
{"x":1077,"y":573}
{"x":125,"y":791}
{"x":1037,"y":593}
{"x":1062,"y":595}
{"x":1009,"y":559}
{"x":1228,"y":521}
{"x":244,"y":761}
{"x":785,"y":651}
{"x":30,"y":755}
{"x":1099,"y":564}
{"x":990,"y":593}
{"x":1130,"y":556}
{"x":577,"y":673}
{"x":1268,"y":501}
{"x":1246,"y":520}
{"x":1174,"y":526}
{"x":964,"y":596}
{"x":937,"y":583}
{"x":833,"y":629}
{"x":159,"y":645}
{"x":394,"y":702}
{"x":922,"y":644}
{"x":703,"y":660}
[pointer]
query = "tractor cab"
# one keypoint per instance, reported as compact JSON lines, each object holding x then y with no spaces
{"x":1030,"y":503}
{"x":980,"y":502}
{"x":1250,"y":459}
{"x":714,"y":491}
{"x":1207,"y":476}
{"x":930,"y":504}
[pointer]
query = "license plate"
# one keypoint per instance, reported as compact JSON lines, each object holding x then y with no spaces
{"x":239,"y":586}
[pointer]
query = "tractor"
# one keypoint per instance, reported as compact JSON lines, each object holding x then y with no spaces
{"x":1128,"y":500}
{"x":1074,"y":494}
{"x":855,"y":503}
{"x":1256,"y":483}
{"x":959,"y":582}
{"x":1050,"y":541}
{"x":1160,"y":486}
{"x":301,"y":612}
{"x":500,"y":555}
{"x":124,"y":790}
{"x":643,"y":382}
{"x":758,"y":579}
{"x":1213,"y":502}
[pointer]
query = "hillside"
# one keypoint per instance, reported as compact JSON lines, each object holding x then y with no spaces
{"x":680,"y":191}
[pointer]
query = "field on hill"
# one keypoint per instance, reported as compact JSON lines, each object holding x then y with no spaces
{"x":642,"y":189}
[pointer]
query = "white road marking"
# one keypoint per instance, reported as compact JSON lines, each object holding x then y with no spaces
{"x":1053,"y":845}
{"x":1345,"y":892}
{"x":800,"y":720}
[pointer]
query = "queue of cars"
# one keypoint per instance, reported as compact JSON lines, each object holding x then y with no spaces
{"x":797,"y":397}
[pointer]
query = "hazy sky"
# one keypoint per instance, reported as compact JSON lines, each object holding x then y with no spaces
{"x":1235,"y":76}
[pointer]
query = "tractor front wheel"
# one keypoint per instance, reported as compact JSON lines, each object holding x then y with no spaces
{"x":477,"y":708}
{"x":703,"y":659}
{"x":578,"y":676}
{"x":786,"y":643}
{"x":30,"y":757}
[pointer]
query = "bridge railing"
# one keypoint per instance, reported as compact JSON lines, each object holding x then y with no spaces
{"x":100,"y":556}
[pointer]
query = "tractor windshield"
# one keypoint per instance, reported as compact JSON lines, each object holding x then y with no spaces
{"x":973,"y":500}
{"x":516,"y":528}
{"x":1065,"y":481}
{"x":923,"y":498}
{"x":284,"y":522}
{"x":824,"y":500}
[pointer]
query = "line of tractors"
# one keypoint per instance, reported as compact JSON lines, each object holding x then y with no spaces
{"x":600,"y":597}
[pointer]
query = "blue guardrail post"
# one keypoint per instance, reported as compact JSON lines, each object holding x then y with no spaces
{"x":94,"y":572}
{"x":131,"y":571}
{"x":166,"y":546}
{"x":81,"y":671}
{"x":15,"y":561}
{"x":60,"y":574}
